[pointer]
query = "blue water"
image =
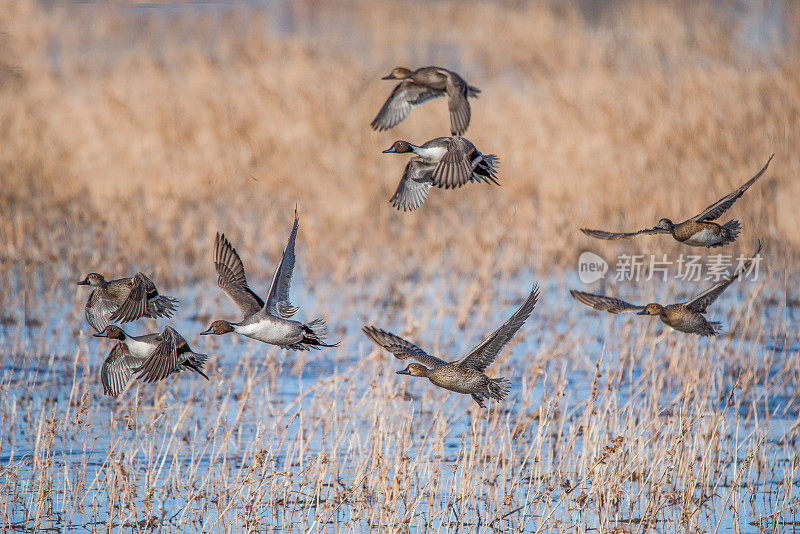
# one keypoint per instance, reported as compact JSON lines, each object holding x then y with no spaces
{"x":263,"y":398}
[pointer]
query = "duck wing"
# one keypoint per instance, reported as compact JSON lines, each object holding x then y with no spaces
{"x":715,"y":210}
{"x":455,"y":167}
{"x":603,"y":303}
{"x":163,"y":361}
{"x":99,"y":309}
{"x":232,"y":279}
{"x":602,"y":234}
{"x":278,"y":296}
{"x":117,"y":369}
{"x":135,"y":304}
{"x":405,"y":97}
{"x":402,"y":349}
{"x":702,"y":301}
{"x":484,"y":354}
{"x":457,"y":103}
{"x":414,"y":185}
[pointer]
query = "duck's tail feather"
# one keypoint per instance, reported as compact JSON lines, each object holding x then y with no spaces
{"x":197,"y":370}
{"x":314,"y":334}
{"x":732,"y":225}
{"x":712,"y":328}
{"x":162,"y":306}
{"x":196,"y":362}
{"x":473,"y":91}
{"x":485,"y":168}
{"x":730,"y":231}
{"x":499,"y":388}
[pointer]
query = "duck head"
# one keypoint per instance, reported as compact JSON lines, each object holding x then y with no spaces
{"x":665,"y":224}
{"x":399,"y":147}
{"x":414,"y":369}
{"x":218,"y":328}
{"x":94,"y":280}
{"x":398,"y":73}
{"x":112,"y":331}
{"x":652,"y":309}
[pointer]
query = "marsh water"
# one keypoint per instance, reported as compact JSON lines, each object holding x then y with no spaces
{"x":188,"y":432}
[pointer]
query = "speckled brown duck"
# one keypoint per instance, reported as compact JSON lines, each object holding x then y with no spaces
{"x":417,"y":87}
{"x":123,"y":300}
{"x":684,"y":316}
{"x":698,"y":231}
{"x":467,"y":374}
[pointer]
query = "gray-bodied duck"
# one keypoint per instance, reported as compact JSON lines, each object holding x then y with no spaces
{"x":267,"y":321}
{"x":698,"y":231}
{"x":152,"y":357}
{"x":456,"y":160}
{"x":467,"y":374}
{"x":684,"y":316}
{"x":417,"y":87}
{"x":123,"y":300}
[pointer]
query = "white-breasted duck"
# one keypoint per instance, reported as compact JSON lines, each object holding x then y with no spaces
{"x":152,"y":357}
{"x":267,"y":321}
{"x":456,"y":160}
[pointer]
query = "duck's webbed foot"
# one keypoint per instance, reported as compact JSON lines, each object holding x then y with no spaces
{"x":479,"y":400}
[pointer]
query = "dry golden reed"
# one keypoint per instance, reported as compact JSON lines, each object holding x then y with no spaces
{"x":149,"y":129}
{"x":131,"y":133}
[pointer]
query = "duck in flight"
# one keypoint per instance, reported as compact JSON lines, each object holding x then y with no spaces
{"x":456,"y":160}
{"x":684,"y":316}
{"x":698,"y":231}
{"x":467,"y":374}
{"x":267,"y":321}
{"x":153,"y":356}
{"x":123,"y":300}
{"x":445,"y":162}
{"x":417,"y":87}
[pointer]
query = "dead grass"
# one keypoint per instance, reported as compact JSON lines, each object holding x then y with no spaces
{"x":149,"y":130}
{"x":130,"y":135}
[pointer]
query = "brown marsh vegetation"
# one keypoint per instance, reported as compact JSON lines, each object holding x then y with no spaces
{"x":131,"y":134}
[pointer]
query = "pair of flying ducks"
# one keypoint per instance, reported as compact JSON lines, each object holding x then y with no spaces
{"x":444,"y":162}
{"x":698,"y":231}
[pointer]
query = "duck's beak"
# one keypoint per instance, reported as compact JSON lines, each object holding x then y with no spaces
{"x":83,"y":282}
{"x":390,"y":150}
{"x":389,"y":77}
{"x":100,"y":334}
{"x":404,"y":372}
{"x":643,"y":312}
{"x":207,"y":332}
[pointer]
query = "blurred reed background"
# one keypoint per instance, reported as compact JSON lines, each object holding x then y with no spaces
{"x":132,"y":132}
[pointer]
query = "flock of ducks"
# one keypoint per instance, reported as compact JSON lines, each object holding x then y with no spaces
{"x":444,"y":162}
